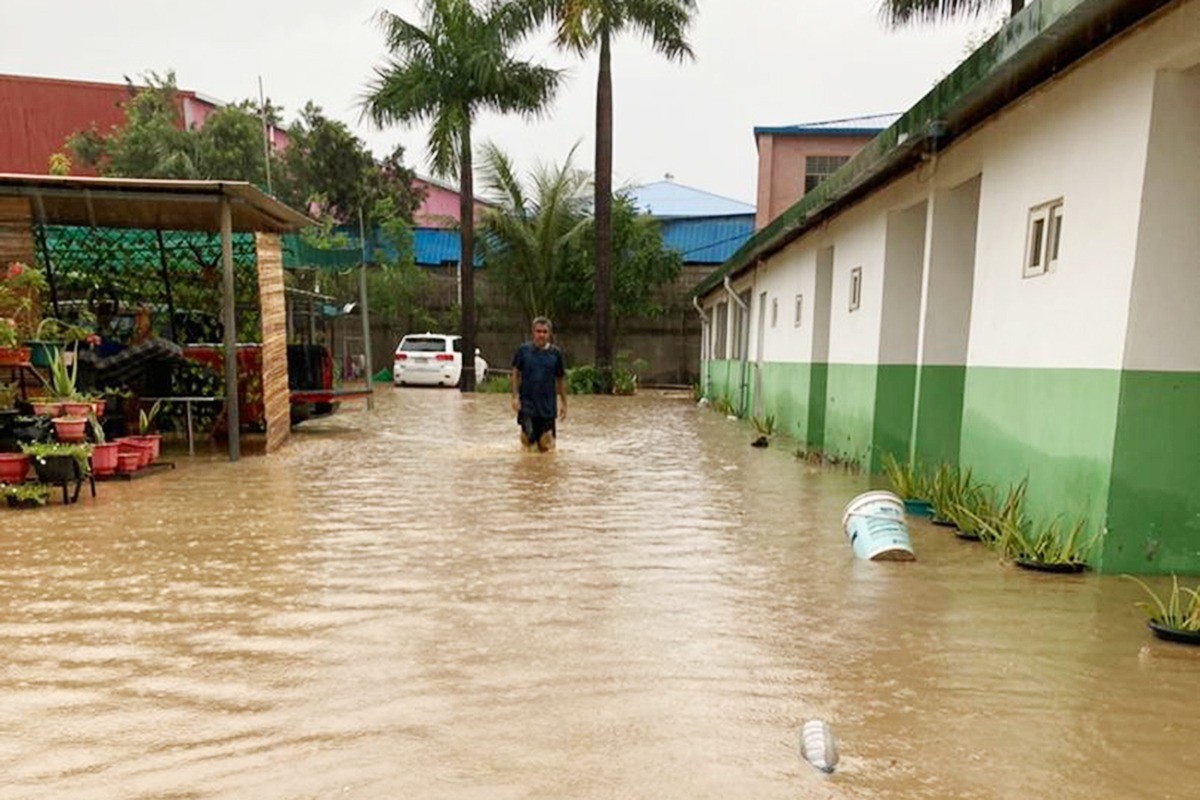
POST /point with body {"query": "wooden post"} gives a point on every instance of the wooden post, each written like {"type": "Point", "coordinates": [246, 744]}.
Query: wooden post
{"type": "Point", "coordinates": [230, 320]}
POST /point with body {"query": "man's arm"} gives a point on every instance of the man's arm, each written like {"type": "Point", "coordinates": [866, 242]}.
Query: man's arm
{"type": "Point", "coordinates": [560, 387]}
{"type": "Point", "coordinates": [515, 380]}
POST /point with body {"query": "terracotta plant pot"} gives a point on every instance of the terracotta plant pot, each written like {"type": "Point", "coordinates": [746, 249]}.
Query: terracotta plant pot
{"type": "Point", "coordinates": [13, 467]}
{"type": "Point", "coordinates": [12, 356]}
{"type": "Point", "coordinates": [98, 408]}
{"type": "Point", "coordinates": [153, 440]}
{"type": "Point", "coordinates": [104, 458]}
{"type": "Point", "coordinates": [46, 408]}
{"type": "Point", "coordinates": [129, 461]}
{"type": "Point", "coordinates": [143, 450]}
{"type": "Point", "coordinates": [73, 409]}
{"type": "Point", "coordinates": [69, 429]}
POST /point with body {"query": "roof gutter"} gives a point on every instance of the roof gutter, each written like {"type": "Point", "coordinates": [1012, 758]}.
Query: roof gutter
{"type": "Point", "coordinates": [1045, 38]}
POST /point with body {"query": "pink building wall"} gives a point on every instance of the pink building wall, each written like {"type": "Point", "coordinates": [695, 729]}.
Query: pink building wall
{"type": "Point", "coordinates": [440, 208]}
{"type": "Point", "coordinates": [781, 167]}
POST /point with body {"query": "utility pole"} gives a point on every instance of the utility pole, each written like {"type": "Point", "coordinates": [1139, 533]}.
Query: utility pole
{"type": "Point", "coordinates": [262, 109]}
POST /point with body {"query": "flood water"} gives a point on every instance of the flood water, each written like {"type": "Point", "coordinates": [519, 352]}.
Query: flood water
{"type": "Point", "coordinates": [403, 605]}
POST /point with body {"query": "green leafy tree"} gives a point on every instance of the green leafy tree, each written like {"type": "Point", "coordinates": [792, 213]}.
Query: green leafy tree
{"type": "Point", "coordinates": [642, 264]}
{"type": "Point", "coordinates": [529, 238]}
{"type": "Point", "coordinates": [584, 26]}
{"type": "Point", "coordinates": [459, 64]}
{"type": "Point", "coordinates": [904, 12]}
{"type": "Point", "coordinates": [230, 145]}
{"type": "Point", "coordinates": [150, 144]}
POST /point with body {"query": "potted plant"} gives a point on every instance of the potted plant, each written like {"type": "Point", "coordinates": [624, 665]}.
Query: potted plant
{"type": "Point", "coordinates": [52, 337]}
{"type": "Point", "coordinates": [11, 352]}
{"type": "Point", "coordinates": [1046, 548]}
{"type": "Point", "coordinates": [105, 455]}
{"type": "Point", "coordinates": [910, 483]}
{"type": "Point", "coordinates": [1175, 620]}
{"type": "Point", "coordinates": [27, 495]}
{"type": "Point", "coordinates": [20, 290]}
{"type": "Point", "coordinates": [13, 467]}
{"type": "Point", "coordinates": [58, 462]}
{"type": "Point", "coordinates": [146, 426]}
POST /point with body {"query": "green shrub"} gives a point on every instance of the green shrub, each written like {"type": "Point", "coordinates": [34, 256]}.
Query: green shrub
{"type": "Point", "coordinates": [1174, 612]}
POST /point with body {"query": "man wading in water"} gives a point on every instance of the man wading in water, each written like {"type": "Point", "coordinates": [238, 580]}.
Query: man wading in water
{"type": "Point", "coordinates": [537, 378]}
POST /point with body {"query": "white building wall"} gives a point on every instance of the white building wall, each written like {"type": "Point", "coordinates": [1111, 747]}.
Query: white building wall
{"type": "Point", "coordinates": [790, 272]}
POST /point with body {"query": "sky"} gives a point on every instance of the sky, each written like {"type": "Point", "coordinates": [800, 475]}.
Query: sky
{"type": "Point", "coordinates": [757, 62]}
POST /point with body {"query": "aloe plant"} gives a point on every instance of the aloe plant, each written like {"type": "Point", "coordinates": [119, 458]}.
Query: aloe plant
{"type": "Point", "coordinates": [1046, 543]}
{"type": "Point", "coordinates": [1174, 612]}
{"type": "Point", "coordinates": [61, 383]}
{"type": "Point", "coordinates": [765, 426]}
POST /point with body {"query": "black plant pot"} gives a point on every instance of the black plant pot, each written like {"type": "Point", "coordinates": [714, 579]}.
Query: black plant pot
{"type": "Point", "coordinates": [57, 469]}
{"type": "Point", "coordinates": [970, 537]}
{"type": "Point", "coordinates": [1173, 634]}
{"type": "Point", "coordinates": [944, 523]}
{"type": "Point", "coordinates": [1038, 566]}
{"type": "Point", "coordinates": [31, 429]}
{"type": "Point", "coordinates": [28, 502]}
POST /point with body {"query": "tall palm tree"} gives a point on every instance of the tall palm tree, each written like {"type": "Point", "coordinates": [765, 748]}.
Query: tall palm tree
{"type": "Point", "coordinates": [584, 26]}
{"type": "Point", "coordinates": [529, 237]}
{"type": "Point", "coordinates": [460, 63]}
{"type": "Point", "coordinates": [903, 12]}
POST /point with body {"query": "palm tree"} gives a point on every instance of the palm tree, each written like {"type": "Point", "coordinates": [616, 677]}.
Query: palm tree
{"type": "Point", "coordinates": [528, 239]}
{"type": "Point", "coordinates": [902, 12]}
{"type": "Point", "coordinates": [459, 64]}
{"type": "Point", "coordinates": [584, 26]}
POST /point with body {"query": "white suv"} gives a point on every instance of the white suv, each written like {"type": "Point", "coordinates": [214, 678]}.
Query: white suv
{"type": "Point", "coordinates": [432, 359]}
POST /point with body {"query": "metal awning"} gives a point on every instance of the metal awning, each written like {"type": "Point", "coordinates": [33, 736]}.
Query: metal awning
{"type": "Point", "coordinates": [150, 204]}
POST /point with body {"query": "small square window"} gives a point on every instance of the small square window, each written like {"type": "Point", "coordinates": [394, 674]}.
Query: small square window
{"type": "Point", "coordinates": [799, 310]}
{"type": "Point", "coordinates": [855, 288]}
{"type": "Point", "coordinates": [774, 311]}
{"type": "Point", "coordinates": [1042, 239]}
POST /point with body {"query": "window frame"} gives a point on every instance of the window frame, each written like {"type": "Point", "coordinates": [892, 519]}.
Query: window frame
{"type": "Point", "coordinates": [774, 311]}
{"type": "Point", "coordinates": [799, 310]}
{"type": "Point", "coordinates": [856, 285]}
{"type": "Point", "coordinates": [1043, 239]}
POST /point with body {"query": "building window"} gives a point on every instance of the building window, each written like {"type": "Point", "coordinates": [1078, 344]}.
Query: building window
{"type": "Point", "coordinates": [855, 288]}
{"type": "Point", "coordinates": [720, 329]}
{"type": "Point", "coordinates": [818, 168]}
{"type": "Point", "coordinates": [1042, 238]}
{"type": "Point", "coordinates": [774, 311]}
{"type": "Point", "coordinates": [799, 310]}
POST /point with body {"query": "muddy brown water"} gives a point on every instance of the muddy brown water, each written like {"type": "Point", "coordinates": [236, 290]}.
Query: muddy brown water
{"type": "Point", "coordinates": [404, 606]}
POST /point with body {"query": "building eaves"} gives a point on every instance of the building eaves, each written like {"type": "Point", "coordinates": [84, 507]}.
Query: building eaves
{"type": "Point", "coordinates": [1042, 40]}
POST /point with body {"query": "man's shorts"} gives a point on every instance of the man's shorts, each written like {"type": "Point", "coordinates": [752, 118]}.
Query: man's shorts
{"type": "Point", "coordinates": [533, 427]}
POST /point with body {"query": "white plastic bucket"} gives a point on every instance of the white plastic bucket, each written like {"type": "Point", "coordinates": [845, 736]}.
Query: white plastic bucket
{"type": "Point", "coordinates": [874, 524]}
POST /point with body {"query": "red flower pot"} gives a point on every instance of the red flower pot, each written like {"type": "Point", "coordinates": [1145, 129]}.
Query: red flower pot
{"type": "Point", "coordinates": [129, 461]}
{"type": "Point", "coordinates": [144, 451]}
{"type": "Point", "coordinates": [73, 409]}
{"type": "Point", "coordinates": [46, 408]}
{"type": "Point", "coordinates": [153, 441]}
{"type": "Point", "coordinates": [105, 458]}
{"type": "Point", "coordinates": [69, 429]}
{"type": "Point", "coordinates": [98, 407]}
{"type": "Point", "coordinates": [13, 467]}
{"type": "Point", "coordinates": [12, 356]}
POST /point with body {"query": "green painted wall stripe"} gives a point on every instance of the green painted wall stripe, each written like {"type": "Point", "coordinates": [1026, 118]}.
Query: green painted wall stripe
{"type": "Point", "coordinates": [1154, 505]}
{"type": "Point", "coordinates": [892, 431]}
{"type": "Point", "coordinates": [939, 414]}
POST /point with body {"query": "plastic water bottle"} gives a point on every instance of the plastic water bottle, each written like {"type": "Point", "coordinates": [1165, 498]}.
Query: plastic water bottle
{"type": "Point", "coordinates": [817, 746]}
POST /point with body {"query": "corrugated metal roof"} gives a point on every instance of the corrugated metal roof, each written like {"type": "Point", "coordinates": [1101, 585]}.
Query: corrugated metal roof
{"type": "Point", "coordinates": [707, 240]}
{"type": "Point", "coordinates": [851, 126]}
{"type": "Point", "coordinates": [666, 199]}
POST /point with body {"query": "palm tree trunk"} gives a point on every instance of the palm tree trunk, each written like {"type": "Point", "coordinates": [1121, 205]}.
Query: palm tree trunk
{"type": "Point", "coordinates": [466, 258]}
{"type": "Point", "coordinates": [602, 299]}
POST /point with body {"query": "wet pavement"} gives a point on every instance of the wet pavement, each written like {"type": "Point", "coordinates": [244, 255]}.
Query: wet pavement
{"type": "Point", "coordinates": [404, 605]}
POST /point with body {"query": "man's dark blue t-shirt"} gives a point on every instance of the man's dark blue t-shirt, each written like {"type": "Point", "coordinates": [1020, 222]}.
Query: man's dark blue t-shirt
{"type": "Point", "coordinates": [539, 369]}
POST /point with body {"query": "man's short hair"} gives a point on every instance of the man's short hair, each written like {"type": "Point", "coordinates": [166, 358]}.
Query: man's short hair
{"type": "Point", "coordinates": [542, 321]}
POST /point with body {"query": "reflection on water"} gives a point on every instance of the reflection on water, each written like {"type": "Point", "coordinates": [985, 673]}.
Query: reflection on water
{"type": "Point", "coordinates": [405, 605]}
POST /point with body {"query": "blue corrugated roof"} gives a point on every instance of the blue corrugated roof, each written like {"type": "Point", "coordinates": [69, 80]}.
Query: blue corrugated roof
{"type": "Point", "coordinates": [666, 199]}
{"type": "Point", "coordinates": [851, 126]}
{"type": "Point", "coordinates": [709, 240]}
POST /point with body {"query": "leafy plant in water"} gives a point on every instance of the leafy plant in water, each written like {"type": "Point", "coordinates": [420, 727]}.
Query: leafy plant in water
{"type": "Point", "coordinates": [146, 419]}
{"type": "Point", "coordinates": [908, 480]}
{"type": "Point", "coordinates": [40, 451]}
{"type": "Point", "coordinates": [1174, 612]}
{"type": "Point", "coordinates": [981, 515]}
{"type": "Point", "coordinates": [495, 384]}
{"type": "Point", "coordinates": [951, 489]}
{"type": "Point", "coordinates": [1045, 544]}
{"type": "Point", "coordinates": [37, 494]}
{"type": "Point", "coordinates": [765, 426]}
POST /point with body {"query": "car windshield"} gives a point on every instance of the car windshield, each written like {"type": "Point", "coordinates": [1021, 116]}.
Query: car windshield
{"type": "Point", "coordinates": [423, 345]}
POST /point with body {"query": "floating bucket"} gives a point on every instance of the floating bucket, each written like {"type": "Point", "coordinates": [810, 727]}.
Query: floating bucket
{"type": "Point", "coordinates": [817, 746]}
{"type": "Point", "coordinates": [874, 523]}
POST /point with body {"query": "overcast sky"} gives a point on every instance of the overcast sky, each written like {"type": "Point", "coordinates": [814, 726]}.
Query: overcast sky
{"type": "Point", "coordinates": [758, 62]}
